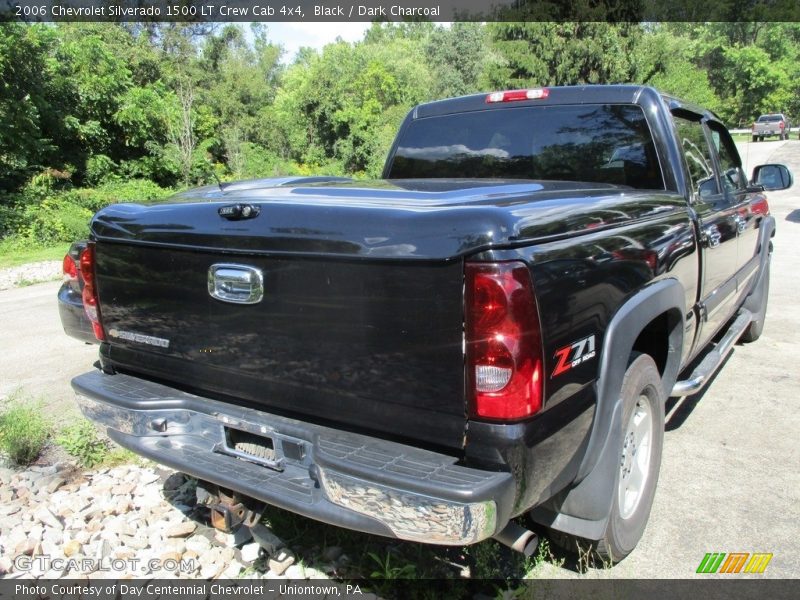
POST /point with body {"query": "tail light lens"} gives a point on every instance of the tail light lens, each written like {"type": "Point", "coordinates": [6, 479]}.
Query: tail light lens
{"type": "Point", "coordinates": [504, 348]}
{"type": "Point", "coordinates": [781, 124]}
{"type": "Point", "coordinates": [69, 269]}
{"type": "Point", "coordinates": [90, 302]}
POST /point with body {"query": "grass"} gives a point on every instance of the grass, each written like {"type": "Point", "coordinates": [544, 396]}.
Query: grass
{"type": "Point", "coordinates": [25, 433]}
{"type": "Point", "coordinates": [23, 430]}
{"type": "Point", "coordinates": [81, 441]}
{"type": "Point", "coordinates": [12, 256]}
{"type": "Point", "coordinates": [393, 568]}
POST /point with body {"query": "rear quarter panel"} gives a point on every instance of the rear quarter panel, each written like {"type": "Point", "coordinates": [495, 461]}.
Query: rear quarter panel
{"type": "Point", "coordinates": [580, 283]}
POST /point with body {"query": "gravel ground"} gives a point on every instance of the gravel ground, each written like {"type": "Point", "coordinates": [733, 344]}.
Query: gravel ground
{"type": "Point", "coordinates": [128, 521]}
{"type": "Point", "coordinates": [46, 270]}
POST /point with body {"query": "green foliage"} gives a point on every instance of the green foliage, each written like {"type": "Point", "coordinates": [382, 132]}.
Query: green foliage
{"type": "Point", "coordinates": [42, 214]}
{"type": "Point", "coordinates": [89, 106]}
{"type": "Point", "coordinates": [346, 103]}
{"type": "Point", "coordinates": [23, 431]}
{"type": "Point", "coordinates": [14, 252]}
{"type": "Point", "coordinates": [458, 57]}
{"type": "Point", "coordinates": [386, 570]}
{"type": "Point", "coordinates": [569, 53]}
{"type": "Point", "coordinates": [54, 219]}
{"type": "Point", "coordinates": [80, 440]}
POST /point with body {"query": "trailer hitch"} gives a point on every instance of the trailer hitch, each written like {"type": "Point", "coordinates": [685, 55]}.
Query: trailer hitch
{"type": "Point", "coordinates": [228, 510]}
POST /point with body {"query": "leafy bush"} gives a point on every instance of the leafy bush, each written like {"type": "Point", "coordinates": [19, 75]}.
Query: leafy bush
{"type": "Point", "coordinates": [23, 432]}
{"type": "Point", "coordinates": [99, 168]}
{"type": "Point", "coordinates": [41, 215]}
{"type": "Point", "coordinates": [55, 219]}
{"type": "Point", "coordinates": [134, 190]}
{"type": "Point", "coordinates": [81, 441]}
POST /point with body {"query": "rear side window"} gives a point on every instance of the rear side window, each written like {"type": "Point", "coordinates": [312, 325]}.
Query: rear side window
{"type": "Point", "coordinates": [590, 143]}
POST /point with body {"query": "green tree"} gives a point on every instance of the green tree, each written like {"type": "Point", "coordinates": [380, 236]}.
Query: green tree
{"type": "Point", "coordinates": [26, 142]}
{"type": "Point", "coordinates": [457, 57]}
{"type": "Point", "coordinates": [570, 53]}
{"type": "Point", "coordinates": [345, 104]}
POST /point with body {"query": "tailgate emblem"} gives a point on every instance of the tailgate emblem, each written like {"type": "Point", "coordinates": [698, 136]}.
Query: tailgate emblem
{"type": "Point", "coordinates": [238, 284]}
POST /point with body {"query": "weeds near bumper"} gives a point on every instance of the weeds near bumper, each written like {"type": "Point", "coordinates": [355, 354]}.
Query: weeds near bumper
{"type": "Point", "coordinates": [23, 431]}
{"type": "Point", "coordinates": [81, 441]}
{"type": "Point", "coordinates": [389, 571]}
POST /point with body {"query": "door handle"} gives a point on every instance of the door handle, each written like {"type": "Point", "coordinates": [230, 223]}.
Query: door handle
{"type": "Point", "coordinates": [713, 236]}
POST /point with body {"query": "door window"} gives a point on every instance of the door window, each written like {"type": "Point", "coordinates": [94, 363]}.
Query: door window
{"type": "Point", "coordinates": [731, 173]}
{"type": "Point", "coordinates": [698, 156]}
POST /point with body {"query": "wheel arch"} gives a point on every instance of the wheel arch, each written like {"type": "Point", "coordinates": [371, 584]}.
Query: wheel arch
{"type": "Point", "coordinates": [656, 310]}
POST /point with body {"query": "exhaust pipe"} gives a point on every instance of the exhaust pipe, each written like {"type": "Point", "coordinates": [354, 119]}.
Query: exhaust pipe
{"type": "Point", "coordinates": [518, 538]}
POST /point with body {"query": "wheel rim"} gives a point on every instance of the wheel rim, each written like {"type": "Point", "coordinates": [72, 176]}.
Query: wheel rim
{"type": "Point", "coordinates": [635, 459]}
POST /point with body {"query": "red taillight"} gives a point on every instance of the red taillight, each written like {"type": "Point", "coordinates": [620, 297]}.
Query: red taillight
{"type": "Point", "coordinates": [90, 303]}
{"type": "Point", "coordinates": [760, 206]}
{"type": "Point", "coordinates": [504, 349]}
{"type": "Point", "coordinates": [515, 95]}
{"type": "Point", "coordinates": [754, 126]}
{"type": "Point", "coordinates": [782, 125]}
{"type": "Point", "coordinates": [69, 269]}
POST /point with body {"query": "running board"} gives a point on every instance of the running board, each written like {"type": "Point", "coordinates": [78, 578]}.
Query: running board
{"type": "Point", "coordinates": [712, 361]}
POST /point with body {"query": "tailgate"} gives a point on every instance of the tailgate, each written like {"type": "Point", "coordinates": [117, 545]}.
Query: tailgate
{"type": "Point", "coordinates": [370, 345]}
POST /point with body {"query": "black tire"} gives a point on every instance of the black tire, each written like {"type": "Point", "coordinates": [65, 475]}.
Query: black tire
{"type": "Point", "coordinates": [642, 384]}
{"type": "Point", "coordinates": [755, 138]}
{"type": "Point", "coordinates": [757, 304]}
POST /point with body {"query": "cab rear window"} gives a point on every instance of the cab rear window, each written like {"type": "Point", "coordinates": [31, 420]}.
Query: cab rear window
{"type": "Point", "coordinates": [589, 143]}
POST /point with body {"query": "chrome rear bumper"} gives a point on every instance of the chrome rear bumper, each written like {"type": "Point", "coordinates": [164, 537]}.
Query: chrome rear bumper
{"type": "Point", "coordinates": [345, 479]}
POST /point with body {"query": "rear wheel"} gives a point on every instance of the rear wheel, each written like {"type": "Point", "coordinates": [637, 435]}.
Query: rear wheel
{"type": "Point", "coordinates": [755, 138]}
{"type": "Point", "coordinates": [643, 400]}
{"type": "Point", "coordinates": [640, 459]}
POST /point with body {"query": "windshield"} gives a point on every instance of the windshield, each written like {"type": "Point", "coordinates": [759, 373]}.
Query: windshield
{"type": "Point", "coordinates": [769, 118]}
{"type": "Point", "coordinates": [590, 143]}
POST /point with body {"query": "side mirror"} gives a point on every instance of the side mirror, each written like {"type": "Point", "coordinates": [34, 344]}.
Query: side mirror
{"type": "Point", "coordinates": [773, 177]}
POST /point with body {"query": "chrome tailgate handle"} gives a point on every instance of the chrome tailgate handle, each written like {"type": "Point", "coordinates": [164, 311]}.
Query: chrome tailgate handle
{"type": "Point", "coordinates": [238, 284]}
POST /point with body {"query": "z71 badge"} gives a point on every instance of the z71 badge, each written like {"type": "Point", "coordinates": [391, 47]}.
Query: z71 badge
{"type": "Point", "coordinates": [571, 356]}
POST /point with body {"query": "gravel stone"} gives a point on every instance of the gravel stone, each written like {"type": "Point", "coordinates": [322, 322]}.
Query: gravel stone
{"type": "Point", "coordinates": [45, 516]}
{"type": "Point", "coordinates": [71, 548]}
{"type": "Point", "coordinates": [237, 538]}
{"type": "Point", "coordinates": [119, 513]}
{"type": "Point", "coordinates": [250, 552]}
{"type": "Point", "coordinates": [282, 562]}
{"type": "Point", "coordinates": [198, 544]}
{"type": "Point", "coordinates": [181, 529]}
{"type": "Point", "coordinates": [5, 475]}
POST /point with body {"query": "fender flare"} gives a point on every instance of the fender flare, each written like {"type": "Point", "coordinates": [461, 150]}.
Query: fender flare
{"type": "Point", "coordinates": [584, 508]}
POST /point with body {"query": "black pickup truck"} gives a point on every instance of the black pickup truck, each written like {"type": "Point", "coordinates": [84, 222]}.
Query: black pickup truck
{"type": "Point", "coordinates": [489, 331]}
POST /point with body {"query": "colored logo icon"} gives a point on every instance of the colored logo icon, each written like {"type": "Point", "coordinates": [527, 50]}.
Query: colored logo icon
{"type": "Point", "coordinates": [735, 562]}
